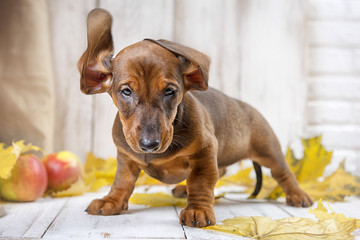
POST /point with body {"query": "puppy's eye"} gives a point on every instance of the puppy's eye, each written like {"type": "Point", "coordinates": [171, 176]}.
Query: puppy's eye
{"type": "Point", "coordinates": [169, 92]}
{"type": "Point", "coordinates": [126, 92]}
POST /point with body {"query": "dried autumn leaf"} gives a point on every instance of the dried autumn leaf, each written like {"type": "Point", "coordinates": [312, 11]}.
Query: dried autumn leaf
{"type": "Point", "coordinates": [334, 187]}
{"type": "Point", "coordinates": [9, 155]}
{"type": "Point", "coordinates": [315, 159]}
{"type": "Point", "coordinates": [77, 188]}
{"type": "Point", "coordinates": [270, 188]}
{"type": "Point", "coordinates": [93, 162]}
{"type": "Point", "coordinates": [242, 177]}
{"type": "Point", "coordinates": [328, 226]}
{"type": "Point", "coordinates": [145, 179]}
{"type": "Point", "coordinates": [99, 172]}
{"type": "Point", "coordinates": [7, 161]}
{"type": "Point", "coordinates": [24, 148]}
{"type": "Point", "coordinates": [320, 212]}
{"type": "Point", "coordinates": [157, 199]}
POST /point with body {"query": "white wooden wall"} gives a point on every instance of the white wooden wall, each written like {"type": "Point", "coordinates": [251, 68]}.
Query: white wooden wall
{"type": "Point", "coordinates": [257, 49]}
{"type": "Point", "coordinates": [334, 78]}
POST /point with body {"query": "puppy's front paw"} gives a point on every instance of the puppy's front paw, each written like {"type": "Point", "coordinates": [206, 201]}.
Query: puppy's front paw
{"type": "Point", "coordinates": [197, 217]}
{"type": "Point", "coordinates": [106, 206]}
{"type": "Point", "coordinates": [298, 198]}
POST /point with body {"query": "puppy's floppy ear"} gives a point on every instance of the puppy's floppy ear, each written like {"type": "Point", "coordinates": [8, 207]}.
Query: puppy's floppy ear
{"type": "Point", "coordinates": [95, 64]}
{"type": "Point", "coordinates": [195, 64]}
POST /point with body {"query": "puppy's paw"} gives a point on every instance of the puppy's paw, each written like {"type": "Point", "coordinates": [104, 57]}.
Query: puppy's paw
{"type": "Point", "coordinates": [298, 198]}
{"type": "Point", "coordinates": [106, 206]}
{"type": "Point", "coordinates": [197, 217]}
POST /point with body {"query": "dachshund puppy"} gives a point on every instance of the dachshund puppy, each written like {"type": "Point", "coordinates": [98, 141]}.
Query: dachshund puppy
{"type": "Point", "coordinates": [172, 125]}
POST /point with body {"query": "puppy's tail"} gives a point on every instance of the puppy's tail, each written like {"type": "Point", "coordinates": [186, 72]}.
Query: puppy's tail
{"type": "Point", "coordinates": [259, 178]}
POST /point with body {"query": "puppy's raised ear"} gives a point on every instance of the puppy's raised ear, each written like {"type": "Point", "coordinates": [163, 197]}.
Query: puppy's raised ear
{"type": "Point", "coordinates": [95, 64]}
{"type": "Point", "coordinates": [195, 64]}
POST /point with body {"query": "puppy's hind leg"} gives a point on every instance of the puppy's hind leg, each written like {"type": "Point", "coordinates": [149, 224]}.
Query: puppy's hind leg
{"type": "Point", "coordinates": [266, 150]}
{"type": "Point", "coordinates": [280, 171]}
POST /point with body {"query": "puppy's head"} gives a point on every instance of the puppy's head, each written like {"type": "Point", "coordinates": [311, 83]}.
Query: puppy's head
{"type": "Point", "coordinates": [147, 81]}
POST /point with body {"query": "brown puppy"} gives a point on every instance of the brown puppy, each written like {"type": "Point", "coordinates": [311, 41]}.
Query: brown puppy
{"type": "Point", "coordinates": [170, 131]}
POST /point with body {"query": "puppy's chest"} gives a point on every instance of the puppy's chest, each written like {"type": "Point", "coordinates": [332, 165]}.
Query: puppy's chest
{"type": "Point", "coordinates": [171, 172]}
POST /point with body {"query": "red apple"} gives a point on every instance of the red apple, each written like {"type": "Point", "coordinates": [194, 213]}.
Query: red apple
{"type": "Point", "coordinates": [63, 169]}
{"type": "Point", "coordinates": [27, 182]}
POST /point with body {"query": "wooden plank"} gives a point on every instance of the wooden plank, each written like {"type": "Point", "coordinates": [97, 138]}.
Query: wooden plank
{"type": "Point", "coordinates": [296, 212]}
{"type": "Point", "coordinates": [73, 115]}
{"type": "Point", "coordinates": [138, 222]}
{"type": "Point", "coordinates": [133, 20]}
{"type": "Point", "coordinates": [29, 220]}
{"type": "Point", "coordinates": [265, 207]}
{"type": "Point", "coordinates": [351, 207]}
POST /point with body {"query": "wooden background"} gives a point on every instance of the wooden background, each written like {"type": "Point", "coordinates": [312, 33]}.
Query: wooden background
{"type": "Point", "coordinates": [258, 51]}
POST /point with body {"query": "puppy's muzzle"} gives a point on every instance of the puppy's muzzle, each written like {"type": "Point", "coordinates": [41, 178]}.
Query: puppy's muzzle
{"type": "Point", "coordinates": [149, 145]}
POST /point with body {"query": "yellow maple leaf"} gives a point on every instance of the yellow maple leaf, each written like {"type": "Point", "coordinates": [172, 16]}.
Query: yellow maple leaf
{"type": "Point", "coordinates": [157, 199]}
{"type": "Point", "coordinates": [145, 179]}
{"type": "Point", "coordinates": [24, 148]}
{"type": "Point", "coordinates": [315, 159]}
{"type": "Point", "coordinates": [334, 187]}
{"type": "Point", "coordinates": [9, 156]}
{"type": "Point", "coordinates": [7, 161]}
{"type": "Point", "coordinates": [328, 226]}
{"type": "Point", "coordinates": [294, 163]}
{"type": "Point", "coordinates": [93, 162]}
{"type": "Point", "coordinates": [77, 188]}
{"type": "Point", "coordinates": [99, 172]}
{"type": "Point", "coordinates": [242, 177]}
{"type": "Point", "coordinates": [269, 190]}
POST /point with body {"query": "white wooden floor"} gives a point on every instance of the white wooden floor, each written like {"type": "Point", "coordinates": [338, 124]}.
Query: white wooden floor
{"type": "Point", "coordinates": [64, 218]}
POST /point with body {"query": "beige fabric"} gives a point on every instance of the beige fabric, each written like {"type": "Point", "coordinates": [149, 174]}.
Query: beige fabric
{"type": "Point", "coordinates": [26, 77]}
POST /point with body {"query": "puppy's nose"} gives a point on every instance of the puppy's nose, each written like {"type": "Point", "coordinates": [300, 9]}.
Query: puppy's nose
{"type": "Point", "coordinates": [149, 145]}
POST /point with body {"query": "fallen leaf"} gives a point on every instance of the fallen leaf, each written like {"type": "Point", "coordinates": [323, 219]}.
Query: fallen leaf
{"type": "Point", "coordinates": [7, 161]}
{"type": "Point", "coordinates": [24, 148]}
{"type": "Point", "coordinates": [269, 190]}
{"type": "Point", "coordinates": [145, 179]}
{"type": "Point", "coordinates": [9, 156]}
{"type": "Point", "coordinates": [99, 172]}
{"type": "Point", "coordinates": [157, 199]}
{"type": "Point", "coordinates": [242, 177]}
{"type": "Point", "coordinates": [77, 188]}
{"type": "Point", "coordinates": [335, 187]}
{"type": "Point", "coordinates": [315, 159]}
{"type": "Point", "coordinates": [328, 226]}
